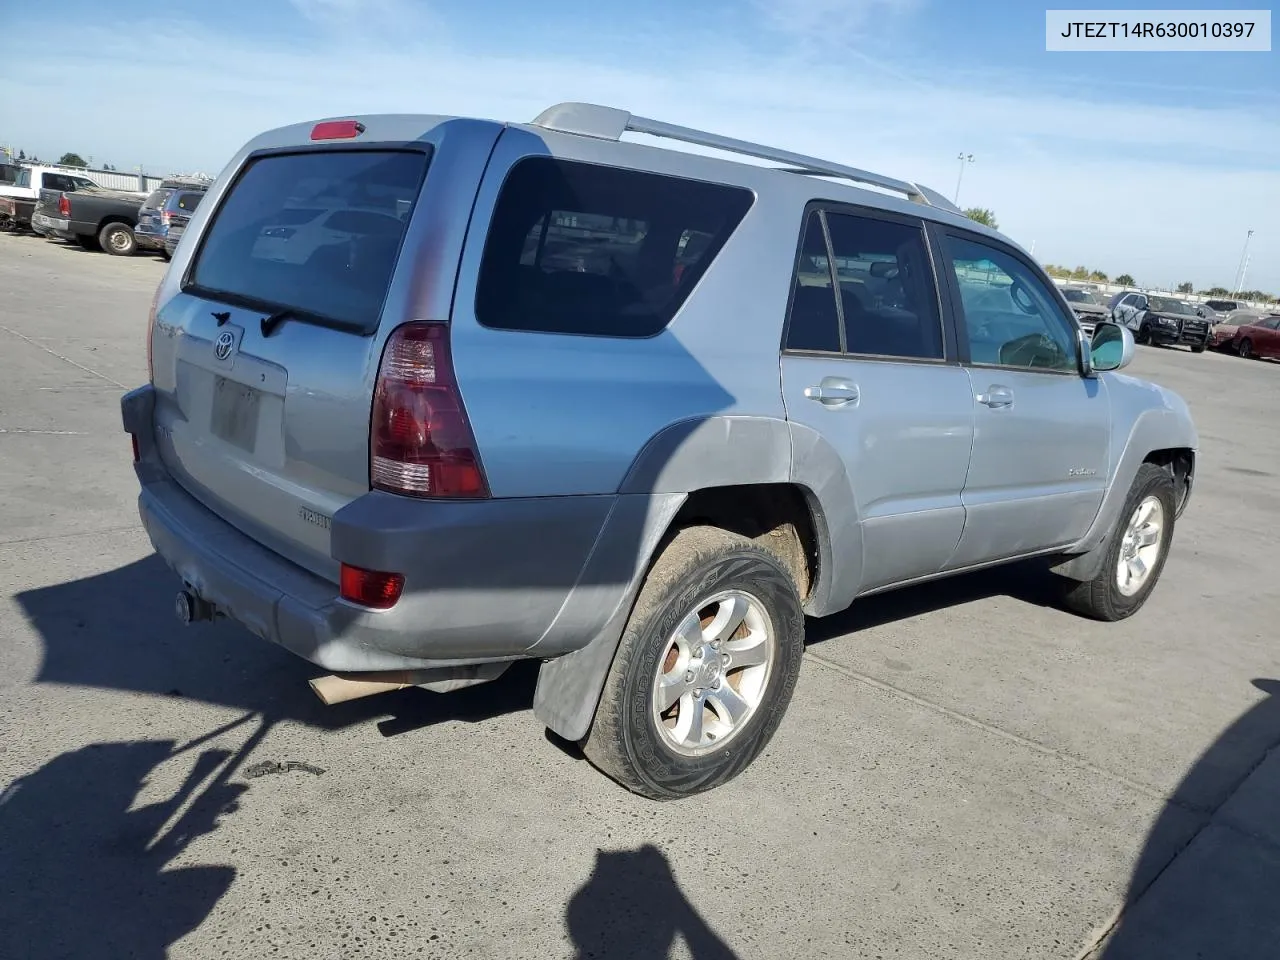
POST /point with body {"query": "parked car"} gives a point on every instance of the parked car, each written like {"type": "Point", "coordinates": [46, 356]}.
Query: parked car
{"type": "Point", "coordinates": [95, 219]}
{"type": "Point", "coordinates": [384, 432]}
{"type": "Point", "coordinates": [1217, 310]}
{"type": "Point", "coordinates": [1161, 320]}
{"type": "Point", "coordinates": [1222, 334]}
{"type": "Point", "coordinates": [173, 201]}
{"type": "Point", "coordinates": [18, 200]}
{"type": "Point", "coordinates": [1089, 310]}
{"type": "Point", "coordinates": [1258, 339]}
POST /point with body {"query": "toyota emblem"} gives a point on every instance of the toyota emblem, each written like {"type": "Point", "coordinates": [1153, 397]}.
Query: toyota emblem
{"type": "Point", "coordinates": [223, 346]}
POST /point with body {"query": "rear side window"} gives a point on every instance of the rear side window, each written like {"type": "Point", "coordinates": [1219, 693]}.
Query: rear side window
{"type": "Point", "coordinates": [586, 249]}
{"type": "Point", "coordinates": [316, 233]}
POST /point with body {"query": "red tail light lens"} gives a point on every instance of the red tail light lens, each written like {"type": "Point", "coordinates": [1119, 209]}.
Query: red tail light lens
{"type": "Point", "coordinates": [421, 443]}
{"type": "Point", "coordinates": [370, 588]}
{"type": "Point", "coordinates": [337, 130]}
{"type": "Point", "coordinates": [64, 206]}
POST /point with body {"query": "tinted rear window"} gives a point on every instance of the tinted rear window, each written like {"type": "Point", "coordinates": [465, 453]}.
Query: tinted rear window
{"type": "Point", "coordinates": [157, 199]}
{"type": "Point", "coordinates": [318, 233]}
{"type": "Point", "coordinates": [188, 201]}
{"type": "Point", "coordinates": [587, 249]}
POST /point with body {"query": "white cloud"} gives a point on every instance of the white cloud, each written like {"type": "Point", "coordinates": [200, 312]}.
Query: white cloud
{"type": "Point", "coordinates": [1119, 186]}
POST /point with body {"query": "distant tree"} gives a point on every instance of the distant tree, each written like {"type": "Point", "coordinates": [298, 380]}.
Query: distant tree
{"type": "Point", "coordinates": [982, 215]}
{"type": "Point", "coordinates": [1097, 276]}
{"type": "Point", "coordinates": [1053, 270]}
{"type": "Point", "coordinates": [1125, 280]}
{"type": "Point", "coordinates": [1186, 287]}
{"type": "Point", "coordinates": [1080, 273]}
{"type": "Point", "coordinates": [72, 160]}
{"type": "Point", "coordinates": [1218, 292]}
{"type": "Point", "coordinates": [22, 155]}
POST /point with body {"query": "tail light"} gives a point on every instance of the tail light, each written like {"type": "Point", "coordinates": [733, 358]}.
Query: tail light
{"type": "Point", "coordinates": [151, 331]}
{"type": "Point", "coordinates": [421, 443]}
{"type": "Point", "coordinates": [370, 588]}
{"type": "Point", "coordinates": [64, 205]}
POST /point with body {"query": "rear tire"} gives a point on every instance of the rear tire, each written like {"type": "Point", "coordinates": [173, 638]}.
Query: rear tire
{"type": "Point", "coordinates": [1148, 511]}
{"type": "Point", "coordinates": [118, 240]}
{"type": "Point", "coordinates": [718, 632]}
{"type": "Point", "coordinates": [1245, 348]}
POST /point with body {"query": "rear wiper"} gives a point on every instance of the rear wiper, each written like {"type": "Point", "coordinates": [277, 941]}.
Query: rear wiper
{"type": "Point", "coordinates": [269, 324]}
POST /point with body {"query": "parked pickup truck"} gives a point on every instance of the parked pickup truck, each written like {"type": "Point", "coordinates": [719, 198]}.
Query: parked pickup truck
{"type": "Point", "coordinates": [94, 219]}
{"type": "Point", "coordinates": [19, 199]}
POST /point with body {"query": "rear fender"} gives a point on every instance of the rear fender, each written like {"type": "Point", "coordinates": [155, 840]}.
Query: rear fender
{"type": "Point", "coordinates": [684, 457]}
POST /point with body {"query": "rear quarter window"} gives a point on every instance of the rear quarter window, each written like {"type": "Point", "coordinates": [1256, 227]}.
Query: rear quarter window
{"type": "Point", "coordinates": [588, 249]}
{"type": "Point", "coordinates": [316, 232]}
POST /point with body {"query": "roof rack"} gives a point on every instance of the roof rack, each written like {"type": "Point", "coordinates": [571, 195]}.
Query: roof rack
{"type": "Point", "coordinates": [610, 123]}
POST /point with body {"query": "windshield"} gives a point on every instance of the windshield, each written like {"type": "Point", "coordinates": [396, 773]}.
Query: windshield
{"type": "Point", "coordinates": [1080, 296]}
{"type": "Point", "coordinates": [316, 233]}
{"type": "Point", "coordinates": [1170, 305]}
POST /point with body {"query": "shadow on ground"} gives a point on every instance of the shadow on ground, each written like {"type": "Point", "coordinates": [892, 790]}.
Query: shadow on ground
{"type": "Point", "coordinates": [1207, 882]}
{"type": "Point", "coordinates": [117, 631]}
{"type": "Point", "coordinates": [87, 875]}
{"type": "Point", "coordinates": [631, 907]}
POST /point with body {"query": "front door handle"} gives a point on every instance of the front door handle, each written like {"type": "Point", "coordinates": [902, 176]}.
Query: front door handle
{"type": "Point", "coordinates": [833, 392]}
{"type": "Point", "coordinates": [996, 396]}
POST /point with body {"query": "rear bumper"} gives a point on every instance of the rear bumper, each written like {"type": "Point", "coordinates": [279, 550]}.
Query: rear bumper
{"type": "Point", "coordinates": [147, 239]}
{"type": "Point", "coordinates": [485, 581]}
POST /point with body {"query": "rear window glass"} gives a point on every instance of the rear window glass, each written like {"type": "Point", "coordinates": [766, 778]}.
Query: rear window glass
{"type": "Point", "coordinates": [587, 249]}
{"type": "Point", "coordinates": [188, 201]}
{"type": "Point", "coordinates": [157, 199]}
{"type": "Point", "coordinates": [318, 233]}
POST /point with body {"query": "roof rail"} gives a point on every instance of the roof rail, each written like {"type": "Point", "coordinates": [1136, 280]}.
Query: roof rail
{"type": "Point", "coordinates": [610, 123]}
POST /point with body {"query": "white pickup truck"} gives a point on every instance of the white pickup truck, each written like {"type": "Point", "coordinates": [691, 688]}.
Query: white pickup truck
{"type": "Point", "coordinates": [18, 199]}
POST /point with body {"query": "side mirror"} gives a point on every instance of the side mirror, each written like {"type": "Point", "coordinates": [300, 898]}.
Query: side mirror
{"type": "Point", "coordinates": [1112, 347]}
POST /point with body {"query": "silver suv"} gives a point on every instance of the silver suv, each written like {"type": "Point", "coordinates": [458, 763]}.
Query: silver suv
{"type": "Point", "coordinates": [431, 395]}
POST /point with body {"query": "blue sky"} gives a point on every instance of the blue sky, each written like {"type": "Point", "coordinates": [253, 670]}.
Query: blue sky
{"type": "Point", "coordinates": [1152, 164]}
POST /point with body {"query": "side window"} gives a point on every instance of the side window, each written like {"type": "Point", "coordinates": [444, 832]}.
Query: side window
{"type": "Point", "coordinates": [56, 181]}
{"type": "Point", "coordinates": [814, 323]}
{"type": "Point", "coordinates": [1011, 317]}
{"type": "Point", "coordinates": [583, 248]}
{"type": "Point", "coordinates": [886, 288]}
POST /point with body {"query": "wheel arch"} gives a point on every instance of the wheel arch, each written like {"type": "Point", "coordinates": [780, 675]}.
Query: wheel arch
{"type": "Point", "coordinates": [782, 486]}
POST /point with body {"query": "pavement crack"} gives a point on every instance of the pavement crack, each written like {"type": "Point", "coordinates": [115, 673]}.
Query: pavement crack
{"type": "Point", "coordinates": [55, 353]}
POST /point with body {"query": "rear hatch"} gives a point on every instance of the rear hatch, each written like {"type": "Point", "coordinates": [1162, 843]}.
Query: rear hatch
{"type": "Point", "coordinates": [150, 220]}
{"type": "Point", "coordinates": [181, 208]}
{"type": "Point", "coordinates": [263, 362]}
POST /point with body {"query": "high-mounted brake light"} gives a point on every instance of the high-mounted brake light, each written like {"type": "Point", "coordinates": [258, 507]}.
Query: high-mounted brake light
{"type": "Point", "coordinates": [420, 442]}
{"type": "Point", "coordinates": [337, 130]}
{"type": "Point", "coordinates": [370, 588]}
{"type": "Point", "coordinates": [64, 205]}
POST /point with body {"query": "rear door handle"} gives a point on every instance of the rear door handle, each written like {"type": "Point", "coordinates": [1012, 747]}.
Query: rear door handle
{"type": "Point", "coordinates": [833, 392]}
{"type": "Point", "coordinates": [996, 396]}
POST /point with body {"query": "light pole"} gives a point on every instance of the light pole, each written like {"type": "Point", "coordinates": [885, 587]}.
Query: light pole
{"type": "Point", "coordinates": [963, 158]}
{"type": "Point", "coordinates": [1244, 265]}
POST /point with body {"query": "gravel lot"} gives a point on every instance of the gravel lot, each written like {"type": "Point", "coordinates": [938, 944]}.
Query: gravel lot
{"type": "Point", "coordinates": [966, 771]}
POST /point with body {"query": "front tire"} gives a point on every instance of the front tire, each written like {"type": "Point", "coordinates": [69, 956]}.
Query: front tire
{"type": "Point", "coordinates": [1199, 349]}
{"type": "Point", "coordinates": [118, 240]}
{"type": "Point", "coordinates": [1136, 553]}
{"type": "Point", "coordinates": [1144, 335]}
{"type": "Point", "coordinates": [1246, 349]}
{"type": "Point", "coordinates": [705, 669]}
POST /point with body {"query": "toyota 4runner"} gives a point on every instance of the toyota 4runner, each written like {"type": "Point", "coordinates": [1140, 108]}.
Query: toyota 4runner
{"type": "Point", "coordinates": [431, 395]}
